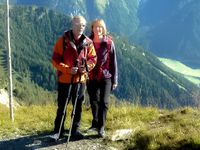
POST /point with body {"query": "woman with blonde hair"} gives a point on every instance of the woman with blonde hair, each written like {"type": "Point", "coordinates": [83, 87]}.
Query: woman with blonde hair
{"type": "Point", "coordinates": [104, 77]}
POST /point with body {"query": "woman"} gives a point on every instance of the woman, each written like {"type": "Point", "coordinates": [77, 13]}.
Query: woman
{"type": "Point", "coordinates": [103, 78]}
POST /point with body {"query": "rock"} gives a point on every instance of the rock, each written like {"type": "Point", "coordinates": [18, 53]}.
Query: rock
{"type": "Point", "coordinates": [4, 98]}
{"type": "Point", "coordinates": [121, 134]}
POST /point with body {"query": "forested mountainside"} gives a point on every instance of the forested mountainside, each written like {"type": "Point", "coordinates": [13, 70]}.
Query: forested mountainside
{"type": "Point", "coordinates": [120, 16]}
{"type": "Point", "coordinates": [174, 23]}
{"type": "Point", "coordinates": [143, 79]}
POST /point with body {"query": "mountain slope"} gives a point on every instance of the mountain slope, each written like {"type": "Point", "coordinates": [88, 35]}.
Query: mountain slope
{"type": "Point", "coordinates": [149, 81]}
{"type": "Point", "coordinates": [175, 24]}
{"type": "Point", "coordinates": [91, 9]}
{"type": "Point", "coordinates": [23, 47]}
{"type": "Point", "coordinates": [192, 75]}
{"type": "Point", "coordinates": [143, 79]}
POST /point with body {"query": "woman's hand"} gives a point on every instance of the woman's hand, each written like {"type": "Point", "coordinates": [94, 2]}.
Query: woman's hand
{"type": "Point", "coordinates": [114, 86]}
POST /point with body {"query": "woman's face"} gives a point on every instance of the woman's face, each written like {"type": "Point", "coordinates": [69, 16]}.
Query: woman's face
{"type": "Point", "coordinates": [97, 29]}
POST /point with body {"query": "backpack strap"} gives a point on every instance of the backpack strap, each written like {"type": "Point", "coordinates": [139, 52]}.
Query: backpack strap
{"type": "Point", "coordinates": [66, 38]}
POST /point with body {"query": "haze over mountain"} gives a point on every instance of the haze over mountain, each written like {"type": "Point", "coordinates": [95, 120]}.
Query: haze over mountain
{"type": "Point", "coordinates": [143, 79]}
{"type": "Point", "coordinates": [168, 28]}
{"type": "Point", "coordinates": [171, 28]}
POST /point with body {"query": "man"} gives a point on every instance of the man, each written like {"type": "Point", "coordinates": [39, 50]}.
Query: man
{"type": "Point", "coordinates": [73, 56]}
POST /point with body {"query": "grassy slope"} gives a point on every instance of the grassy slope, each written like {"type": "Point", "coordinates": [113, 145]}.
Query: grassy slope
{"type": "Point", "coordinates": [191, 74]}
{"type": "Point", "coordinates": [153, 128]}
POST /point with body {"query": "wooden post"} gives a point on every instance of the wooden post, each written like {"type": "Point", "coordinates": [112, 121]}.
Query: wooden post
{"type": "Point", "coordinates": [9, 66]}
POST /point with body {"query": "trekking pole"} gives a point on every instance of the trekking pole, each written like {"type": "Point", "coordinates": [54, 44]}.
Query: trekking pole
{"type": "Point", "coordinates": [74, 108]}
{"type": "Point", "coordinates": [66, 102]}
{"type": "Point", "coordinates": [73, 112]}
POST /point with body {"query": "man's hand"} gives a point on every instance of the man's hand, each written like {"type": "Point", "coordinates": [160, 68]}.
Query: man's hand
{"type": "Point", "coordinates": [63, 65]}
{"type": "Point", "coordinates": [74, 70]}
{"type": "Point", "coordinates": [82, 69]}
{"type": "Point", "coordinates": [63, 68]}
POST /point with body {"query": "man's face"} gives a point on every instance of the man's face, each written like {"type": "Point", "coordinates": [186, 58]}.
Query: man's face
{"type": "Point", "coordinates": [78, 27]}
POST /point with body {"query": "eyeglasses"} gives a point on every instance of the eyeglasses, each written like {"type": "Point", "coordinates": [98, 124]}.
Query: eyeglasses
{"type": "Point", "coordinates": [79, 25]}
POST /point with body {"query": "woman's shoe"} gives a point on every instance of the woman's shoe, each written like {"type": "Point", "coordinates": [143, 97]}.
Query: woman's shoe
{"type": "Point", "coordinates": [101, 133]}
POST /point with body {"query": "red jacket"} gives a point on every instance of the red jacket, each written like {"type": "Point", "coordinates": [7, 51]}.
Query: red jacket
{"type": "Point", "coordinates": [67, 51]}
{"type": "Point", "coordinates": [106, 66]}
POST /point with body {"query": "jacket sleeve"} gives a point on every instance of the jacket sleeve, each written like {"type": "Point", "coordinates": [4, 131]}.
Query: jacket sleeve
{"type": "Point", "coordinates": [91, 57]}
{"type": "Point", "coordinates": [57, 57]}
{"type": "Point", "coordinates": [114, 67]}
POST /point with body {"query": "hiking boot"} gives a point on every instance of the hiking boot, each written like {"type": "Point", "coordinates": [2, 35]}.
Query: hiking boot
{"type": "Point", "coordinates": [77, 135]}
{"type": "Point", "coordinates": [101, 133]}
{"type": "Point", "coordinates": [92, 129]}
{"type": "Point", "coordinates": [56, 136]}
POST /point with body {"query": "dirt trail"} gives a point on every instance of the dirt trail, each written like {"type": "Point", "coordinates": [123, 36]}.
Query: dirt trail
{"type": "Point", "coordinates": [43, 142]}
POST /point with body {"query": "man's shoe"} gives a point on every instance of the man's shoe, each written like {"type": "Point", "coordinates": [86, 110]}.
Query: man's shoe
{"type": "Point", "coordinates": [77, 135]}
{"type": "Point", "coordinates": [102, 133]}
{"type": "Point", "coordinates": [56, 136]}
{"type": "Point", "coordinates": [92, 129]}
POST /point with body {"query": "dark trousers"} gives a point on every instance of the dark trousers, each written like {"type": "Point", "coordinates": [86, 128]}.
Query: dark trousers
{"type": "Point", "coordinates": [63, 89]}
{"type": "Point", "coordinates": [99, 92]}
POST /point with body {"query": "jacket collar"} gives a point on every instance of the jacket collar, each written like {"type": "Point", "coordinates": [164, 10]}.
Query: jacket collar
{"type": "Point", "coordinates": [82, 41]}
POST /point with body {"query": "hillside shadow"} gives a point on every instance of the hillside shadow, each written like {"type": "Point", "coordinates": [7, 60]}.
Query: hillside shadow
{"type": "Point", "coordinates": [29, 142]}
{"type": "Point", "coordinates": [3, 59]}
{"type": "Point", "coordinates": [181, 145]}
{"type": "Point", "coordinates": [144, 142]}
{"type": "Point", "coordinates": [36, 142]}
